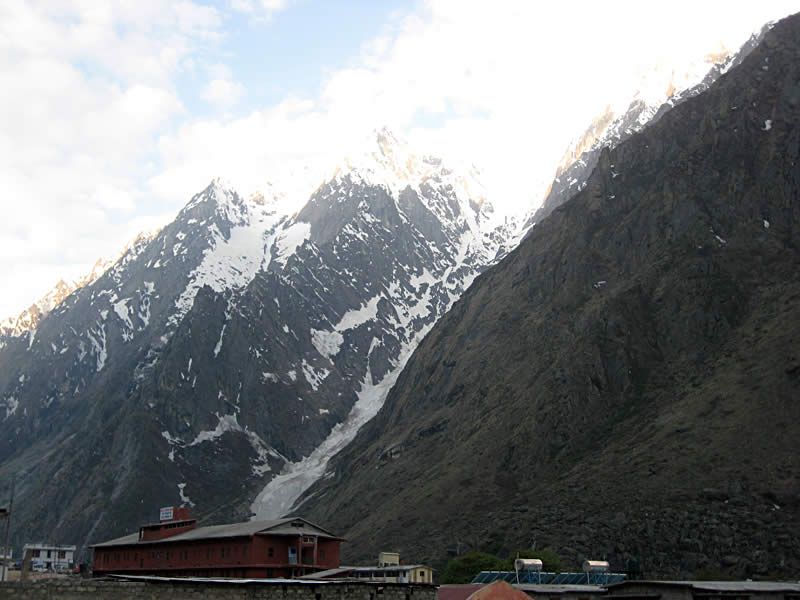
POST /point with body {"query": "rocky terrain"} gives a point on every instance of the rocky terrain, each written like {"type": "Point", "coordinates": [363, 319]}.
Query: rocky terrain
{"type": "Point", "coordinates": [609, 128]}
{"type": "Point", "coordinates": [237, 343]}
{"type": "Point", "coordinates": [29, 318]}
{"type": "Point", "coordinates": [625, 384]}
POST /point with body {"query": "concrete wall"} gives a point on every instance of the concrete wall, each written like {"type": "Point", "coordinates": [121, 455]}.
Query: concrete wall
{"type": "Point", "coordinates": [84, 589]}
{"type": "Point", "coordinates": [421, 575]}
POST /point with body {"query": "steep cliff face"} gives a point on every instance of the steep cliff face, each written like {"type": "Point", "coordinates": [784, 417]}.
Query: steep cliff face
{"type": "Point", "coordinates": [610, 128]}
{"type": "Point", "coordinates": [624, 384]}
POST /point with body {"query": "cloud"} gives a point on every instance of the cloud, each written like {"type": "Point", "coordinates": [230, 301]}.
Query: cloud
{"type": "Point", "coordinates": [506, 85]}
{"type": "Point", "coordinates": [88, 88]}
{"type": "Point", "coordinates": [258, 9]}
{"type": "Point", "coordinates": [96, 140]}
{"type": "Point", "coordinates": [222, 90]}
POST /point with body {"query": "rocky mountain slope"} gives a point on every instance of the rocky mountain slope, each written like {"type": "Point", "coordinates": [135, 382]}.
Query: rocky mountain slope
{"type": "Point", "coordinates": [29, 318]}
{"type": "Point", "coordinates": [625, 384]}
{"type": "Point", "coordinates": [236, 343]}
{"type": "Point", "coordinates": [610, 128]}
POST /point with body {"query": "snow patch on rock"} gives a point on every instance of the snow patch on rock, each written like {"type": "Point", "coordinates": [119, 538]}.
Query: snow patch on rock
{"type": "Point", "coordinates": [184, 498]}
{"type": "Point", "coordinates": [327, 343]}
{"type": "Point", "coordinates": [282, 492]}
{"type": "Point", "coordinates": [289, 240]}
{"type": "Point", "coordinates": [11, 405]}
{"type": "Point", "coordinates": [353, 318]}
{"type": "Point", "coordinates": [230, 263]}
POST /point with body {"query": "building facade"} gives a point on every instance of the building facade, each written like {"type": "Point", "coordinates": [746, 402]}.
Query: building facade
{"type": "Point", "coordinates": [49, 557]}
{"type": "Point", "coordinates": [177, 547]}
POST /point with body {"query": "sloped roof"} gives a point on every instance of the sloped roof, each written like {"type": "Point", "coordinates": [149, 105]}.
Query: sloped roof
{"type": "Point", "coordinates": [498, 590]}
{"type": "Point", "coordinates": [457, 591]}
{"type": "Point", "coordinates": [247, 528]}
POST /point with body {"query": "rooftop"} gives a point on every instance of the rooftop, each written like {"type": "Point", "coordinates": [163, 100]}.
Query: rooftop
{"type": "Point", "coordinates": [342, 572]}
{"type": "Point", "coordinates": [246, 529]}
{"type": "Point", "coordinates": [716, 586]}
{"type": "Point", "coordinates": [236, 581]}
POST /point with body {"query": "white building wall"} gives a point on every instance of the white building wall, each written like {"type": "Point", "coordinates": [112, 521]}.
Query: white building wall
{"type": "Point", "coordinates": [52, 558]}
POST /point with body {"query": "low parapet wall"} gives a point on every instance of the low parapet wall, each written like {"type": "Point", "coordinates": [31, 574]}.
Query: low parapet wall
{"type": "Point", "coordinates": [176, 589]}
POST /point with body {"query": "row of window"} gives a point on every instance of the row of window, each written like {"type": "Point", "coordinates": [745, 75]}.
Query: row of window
{"type": "Point", "coordinates": [224, 552]}
{"type": "Point", "coordinates": [38, 554]}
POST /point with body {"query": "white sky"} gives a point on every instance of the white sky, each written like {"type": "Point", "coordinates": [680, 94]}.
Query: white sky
{"type": "Point", "coordinates": [102, 137]}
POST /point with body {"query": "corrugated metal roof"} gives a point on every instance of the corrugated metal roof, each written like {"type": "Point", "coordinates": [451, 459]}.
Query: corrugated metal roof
{"type": "Point", "coordinates": [718, 586]}
{"type": "Point", "coordinates": [389, 568]}
{"type": "Point", "coordinates": [248, 528]}
{"type": "Point", "coordinates": [345, 571]}
{"type": "Point", "coordinates": [327, 573]}
{"type": "Point", "coordinates": [560, 589]}
{"type": "Point", "coordinates": [131, 538]}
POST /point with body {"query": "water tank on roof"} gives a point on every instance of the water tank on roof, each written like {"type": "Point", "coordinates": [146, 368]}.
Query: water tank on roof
{"type": "Point", "coordinates": [527, 564]}
{"type": "Point", "coordinates": [595, 566]}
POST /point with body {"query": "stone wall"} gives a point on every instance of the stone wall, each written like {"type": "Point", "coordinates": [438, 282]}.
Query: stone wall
{"type": "Point", "coordinates": [105, 589]}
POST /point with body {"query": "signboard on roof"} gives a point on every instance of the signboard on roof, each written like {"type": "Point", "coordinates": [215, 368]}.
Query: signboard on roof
{"type": "Point", "coordinates": [166, 513]}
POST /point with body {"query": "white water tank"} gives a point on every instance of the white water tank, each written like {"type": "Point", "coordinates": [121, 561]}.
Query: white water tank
{"type": "Point", "coordinates": [527, 564]}
{"type": "Point", "coordinates": [595, 566]}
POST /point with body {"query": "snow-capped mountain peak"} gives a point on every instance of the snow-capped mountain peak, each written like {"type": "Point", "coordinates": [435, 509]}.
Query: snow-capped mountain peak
{"type": "Point", "coordinates": [254, 335]}
{"type": "Point", "coordinates": [659, 90]}
{"type": "Point", "coordinates": [29, 319]}
{"type": "Point", "coordinates": [388, 161]}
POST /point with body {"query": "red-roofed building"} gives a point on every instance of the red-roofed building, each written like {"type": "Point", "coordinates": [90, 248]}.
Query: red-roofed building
{"type": "Point", "coordinates": [177, 547]}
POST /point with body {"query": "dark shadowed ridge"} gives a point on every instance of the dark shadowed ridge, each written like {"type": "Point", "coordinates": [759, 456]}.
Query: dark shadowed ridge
{"type": "Point", "coordinates": [626, 383]}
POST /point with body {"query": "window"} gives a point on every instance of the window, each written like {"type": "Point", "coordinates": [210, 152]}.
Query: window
{"type": "Point", "coordinates": [35, 554]}
{"type": "Point", "coordinates": [422, 575]}
{"type": "Point", "coordinates": [271, 552]}
{"type": "Point", "coordinates": [321, 554]}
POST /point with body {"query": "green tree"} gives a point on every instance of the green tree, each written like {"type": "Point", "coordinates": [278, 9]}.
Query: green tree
{"type": "Point", "coordinates": [463, 569]}
{"type": "Point", "coordinates": [551, 562]}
